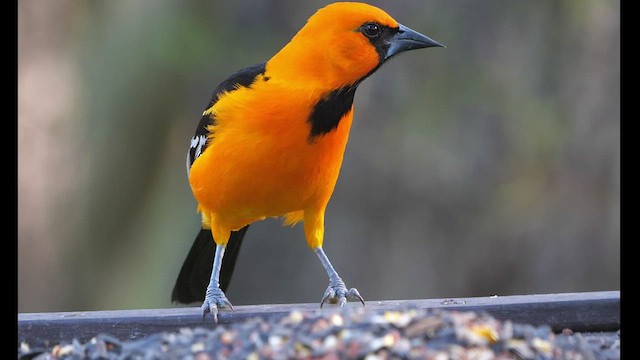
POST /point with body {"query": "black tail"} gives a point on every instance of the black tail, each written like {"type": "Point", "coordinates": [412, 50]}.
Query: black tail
{"type": "Point", "coordinates": [195, 274]}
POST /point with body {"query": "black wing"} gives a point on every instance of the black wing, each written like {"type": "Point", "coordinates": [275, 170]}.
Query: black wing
{"type": "Point", "coordinates": [244, 77]}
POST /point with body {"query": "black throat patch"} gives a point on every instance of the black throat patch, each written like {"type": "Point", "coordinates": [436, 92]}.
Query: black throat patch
{"type": "Point", "coordinates": [329, 110]}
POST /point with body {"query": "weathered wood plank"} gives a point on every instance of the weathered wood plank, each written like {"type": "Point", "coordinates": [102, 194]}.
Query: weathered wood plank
{"type": "Point", "coordinates": [581, 312]}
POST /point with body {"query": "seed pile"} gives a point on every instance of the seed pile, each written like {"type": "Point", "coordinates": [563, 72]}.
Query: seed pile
{"type": "Point", "coordinates": [348, 334]}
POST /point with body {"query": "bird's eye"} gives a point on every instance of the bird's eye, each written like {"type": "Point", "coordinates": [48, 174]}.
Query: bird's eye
{"type": "Point", "coordinates": [371, 30]}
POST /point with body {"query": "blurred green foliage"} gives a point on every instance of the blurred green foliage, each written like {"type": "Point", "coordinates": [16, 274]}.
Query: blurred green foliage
{"type": "Point", "coordinates": [489, 167]}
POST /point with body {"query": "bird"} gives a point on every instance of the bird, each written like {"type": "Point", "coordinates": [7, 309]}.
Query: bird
{"type": "Point", "coordinates": [271, 140]}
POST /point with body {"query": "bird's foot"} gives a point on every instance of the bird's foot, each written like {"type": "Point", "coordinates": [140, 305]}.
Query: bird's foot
{"type": "Point", "coordinates": [337, 293]}
{"type": "Point", "coordinates": [213, 301]}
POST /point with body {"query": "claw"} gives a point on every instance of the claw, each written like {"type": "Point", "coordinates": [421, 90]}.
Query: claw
{"type": "Point", "coordinates": [353, 295]}
{"type": "Point", "coordinates": [329, 294]}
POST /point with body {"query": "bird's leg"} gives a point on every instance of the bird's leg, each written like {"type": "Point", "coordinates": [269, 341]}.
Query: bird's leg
{"type": "Point", "coordinates": [337, 291]}
{"type": "Point", "coordinates": [214, 297]}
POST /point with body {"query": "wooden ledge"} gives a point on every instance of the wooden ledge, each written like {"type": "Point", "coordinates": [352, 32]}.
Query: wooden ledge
{"type": "Point", "coordinates": [580, 312]}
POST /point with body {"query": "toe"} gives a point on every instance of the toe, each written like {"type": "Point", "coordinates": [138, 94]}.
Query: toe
{"type": "Point", "coordinates": [225, 303]}
{"type": "Point", "coordinates": [210, 307]}
{"type": "Point", "coordinates": [329, 296]}
{"type": "Point", "coordinates": [353, 294]}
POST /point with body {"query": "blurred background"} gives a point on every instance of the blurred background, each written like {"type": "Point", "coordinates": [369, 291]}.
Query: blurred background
{"type": "Point", "coordinates": [491, 167]}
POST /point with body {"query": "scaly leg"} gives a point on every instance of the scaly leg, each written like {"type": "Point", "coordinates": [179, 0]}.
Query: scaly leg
{"type": "Point", "coordinates": [337, 291]}
{"type": "Point", "coordinates": [214, 297]}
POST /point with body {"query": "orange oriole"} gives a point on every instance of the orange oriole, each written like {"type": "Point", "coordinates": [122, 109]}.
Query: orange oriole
{"type": "Point", "coordinates": [270, 143]}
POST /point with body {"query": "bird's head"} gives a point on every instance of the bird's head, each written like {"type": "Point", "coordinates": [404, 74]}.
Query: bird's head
{"type": "Point", "coordinates": [347, 41]}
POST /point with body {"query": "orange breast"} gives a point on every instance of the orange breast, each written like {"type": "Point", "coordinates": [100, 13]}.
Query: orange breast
{"type": "Point", "coordinates": [261, 162]}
